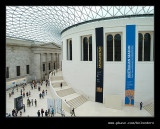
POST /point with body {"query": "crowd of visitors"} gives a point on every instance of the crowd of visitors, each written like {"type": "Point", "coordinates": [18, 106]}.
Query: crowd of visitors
{"type": "Point", "coordinates": [47, 113]}
{"type": "Point", "coordinates": [33, 102]}
{"type": "Point", "coordinates": [30, 102]}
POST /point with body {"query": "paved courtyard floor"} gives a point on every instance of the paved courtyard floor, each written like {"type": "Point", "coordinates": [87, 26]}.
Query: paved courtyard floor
{"type": "Point", "coordinates": [88, 109]}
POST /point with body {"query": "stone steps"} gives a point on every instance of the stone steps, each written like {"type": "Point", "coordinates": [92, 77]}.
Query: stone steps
{"type": "Point", "coordinates": [55, 78]}
{"type": "Point", "coordinates": [65, 92]}
{"type": "Point", "coordinates": [63, 88]}
{"type": "Point", "coordinates": [57, 84]}
{"type": "Point", "coordinates": [76, 102]}
{"type": "Point", "coordinates": [70, 96]}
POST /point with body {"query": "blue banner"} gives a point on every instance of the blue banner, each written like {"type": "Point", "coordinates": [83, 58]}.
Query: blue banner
{"type": "Point", "coordinates": [130, 65]}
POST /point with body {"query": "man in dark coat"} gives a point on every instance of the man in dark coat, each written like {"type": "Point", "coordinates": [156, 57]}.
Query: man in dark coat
{"type": "Point", "coordinates": [61, 84]}
{"type": "Point", "coordinates": [141, 105]}
{"type": "Point", "coordinates": [38, 113]}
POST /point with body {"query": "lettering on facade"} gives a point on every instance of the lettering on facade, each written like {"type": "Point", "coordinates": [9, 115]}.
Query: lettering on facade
{"type": "Point", "coordinates": [129, 62]}
{"type": "Point", "coordinates": [100, 57]}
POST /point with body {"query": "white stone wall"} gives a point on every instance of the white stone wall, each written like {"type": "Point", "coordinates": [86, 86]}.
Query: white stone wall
{"type": "Point", "coordinates": [81, 75]}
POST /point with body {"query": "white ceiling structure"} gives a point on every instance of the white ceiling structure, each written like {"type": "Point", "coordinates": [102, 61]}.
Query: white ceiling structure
{"type": "Point", "coordinates": [43, 24]}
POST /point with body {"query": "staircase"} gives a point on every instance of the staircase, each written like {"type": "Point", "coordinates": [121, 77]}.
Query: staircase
{"type": "Point", "coordinates": [66, 93]}
{"type": "Point", "coordinates": [149, 108]}
{"type": "Point", "coordinates": [76, 102]}
{"type": "Point", "coordinates": [57, 84]}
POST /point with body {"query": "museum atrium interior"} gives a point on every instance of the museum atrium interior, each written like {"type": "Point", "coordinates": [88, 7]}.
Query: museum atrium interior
{"type": "Point", "coordinates": [93, 59]}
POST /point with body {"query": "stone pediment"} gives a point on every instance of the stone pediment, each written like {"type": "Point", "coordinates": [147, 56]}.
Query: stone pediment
{"type": "Point", "coordinates": [50, 45]}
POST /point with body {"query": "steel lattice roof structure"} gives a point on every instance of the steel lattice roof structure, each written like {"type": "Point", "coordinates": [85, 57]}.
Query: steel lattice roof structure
{"type": "Point", "coordinates": [43, 24]}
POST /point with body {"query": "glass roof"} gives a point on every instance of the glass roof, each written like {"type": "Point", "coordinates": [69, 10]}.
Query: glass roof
{"type": "Point", "coordinates": [43, 24]}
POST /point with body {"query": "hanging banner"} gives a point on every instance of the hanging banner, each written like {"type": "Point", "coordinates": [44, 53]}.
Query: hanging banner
{"type": "Point", "coordinates": [50, 104]}
{"type": "Point", "coordinates": [99, 65]}
{"type": "Point", "coordinates": [59, 105]}
{"type": "Point", "coordinates": [130, 65]}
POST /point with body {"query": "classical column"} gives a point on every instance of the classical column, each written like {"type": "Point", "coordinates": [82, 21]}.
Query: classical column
{"type": "Point", "coordinates": [57, 60]}
{"type": "Point", "coordinates": [52, 61]}
{"type": "Point", "coordinates": [36, 68]}
{"type": "Point", "coordinates": [47, 64]}
{"type": "Point", "coordinates": [60, 60]}
{"type": "Point", "coordinates": [41, 65]}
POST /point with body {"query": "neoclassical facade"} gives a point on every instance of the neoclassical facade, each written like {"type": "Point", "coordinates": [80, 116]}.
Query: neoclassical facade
{"type": "Point", "coordinates": [26, 61]}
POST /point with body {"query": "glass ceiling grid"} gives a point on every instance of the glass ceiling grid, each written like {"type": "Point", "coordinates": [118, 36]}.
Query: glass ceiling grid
{"type": "Point", "coordinates": [44, 24]}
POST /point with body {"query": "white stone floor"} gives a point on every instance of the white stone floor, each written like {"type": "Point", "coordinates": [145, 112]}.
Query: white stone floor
{"type": "Point", "coordinates": [93, 109]}
{"type": "Point", "coordinates": [88, 109]}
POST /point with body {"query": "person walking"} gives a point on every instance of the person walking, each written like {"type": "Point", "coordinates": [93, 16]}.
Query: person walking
{"type": "Point", "coordinates": [40, 95]}
{"type": "Point", "coordinates": [29, 102]}
{"type": "Point", "coordinates": [46, 113]}
{"type": "Point", "coordinates": [13, 112]}
{"type": "Point", "coordinates": [42, 111]}
{"type": "Point", "coordinates": [52, 112]}
{"type": "Point", "coordinates": [73, 113]}
{"type": "Point", "coordinates": [24, 108]}
{"type": "Point", "coordinates": [61, 84]}
{"type": "Point", "coordinates": [21, 91]}
{"type": "Point", "coordinates": [63, 113]}
{"type": "Point", "coordinates": [46, 92]}
{"type": "Point", "coordinates": [20, 113]}
{"type": "Point", "coordinates": [16, 112]}
{"type": "Point", "coordinates": [31, 86]}
{"type": "Point", "coordinates": [141, 105]}
{"type": "Point", "coordinates": [38, 113]}
{"type": "Point", "coordinates": [32, 102]}
{"type": "Point", "coordinates": [43, 92]}
{"type": "Point", "coordinates": [9, 95]}
{"type": "Point", "coordinates": [29, 93]}
{"type": "Point", "coordinates": [23, 94]}
{"type": "Point", "coordinates": [35, 103]}
{"type": "Point", "coordinates": [13, 91]}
